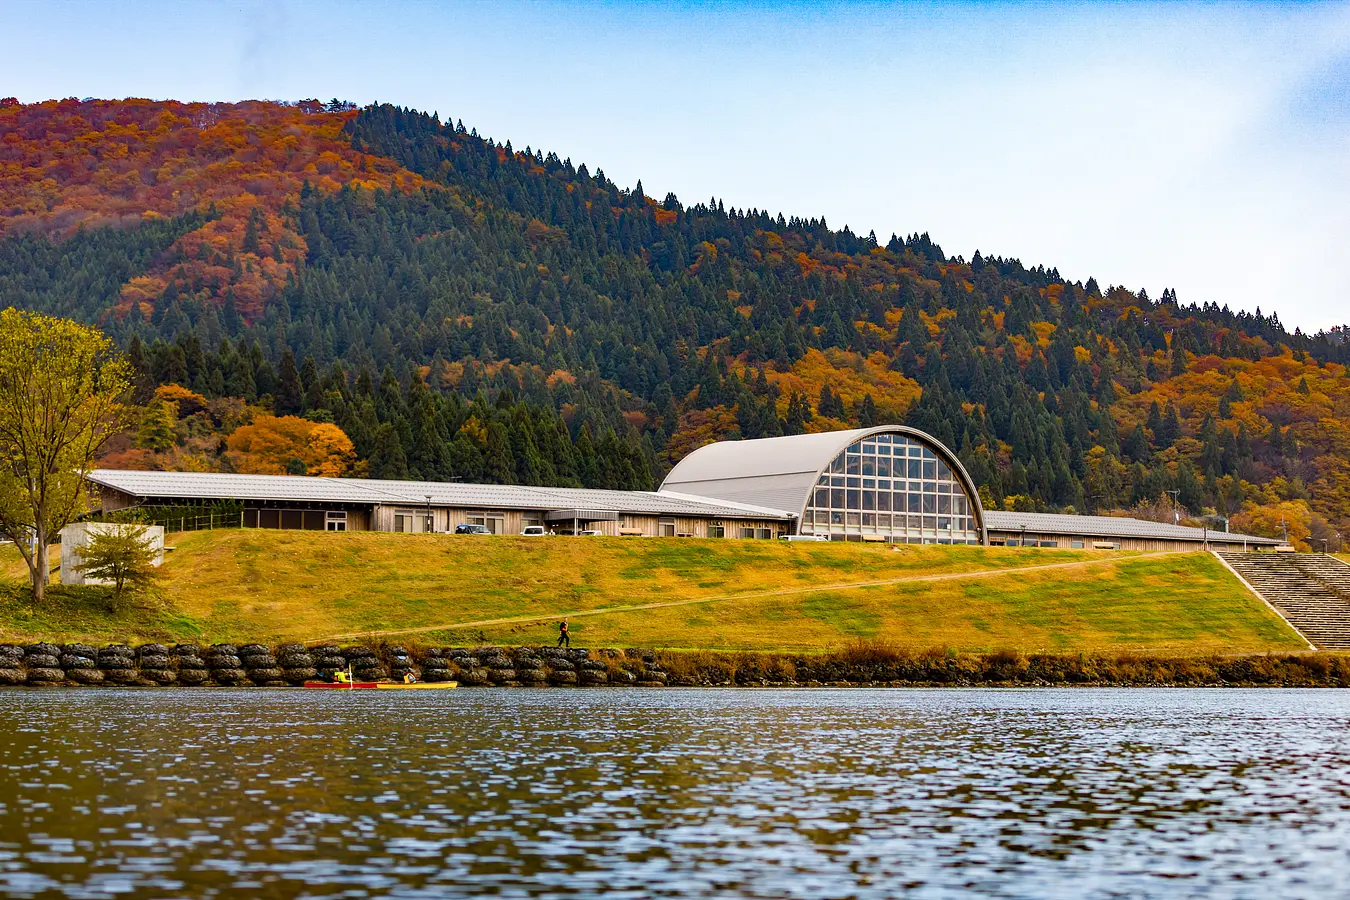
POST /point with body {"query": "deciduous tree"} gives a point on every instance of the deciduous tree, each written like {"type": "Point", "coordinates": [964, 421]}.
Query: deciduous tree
{"type": "Point", "coordinates": [63, 393]}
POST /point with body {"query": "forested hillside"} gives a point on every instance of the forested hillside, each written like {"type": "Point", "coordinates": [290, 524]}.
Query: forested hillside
{"type": "Point", "coordinates": [458, 308]}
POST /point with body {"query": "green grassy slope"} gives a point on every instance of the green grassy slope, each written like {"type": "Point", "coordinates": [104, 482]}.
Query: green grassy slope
{"type": "Point", "coordinates": [274, 586]}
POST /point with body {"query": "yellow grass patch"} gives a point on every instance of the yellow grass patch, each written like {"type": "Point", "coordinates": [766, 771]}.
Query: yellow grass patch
{"type": "Point", "coordinates": [306, 586]}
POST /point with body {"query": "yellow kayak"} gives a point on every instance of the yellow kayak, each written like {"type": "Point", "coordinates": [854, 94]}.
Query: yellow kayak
{"type": "Point", "coordinates": [382, 686]}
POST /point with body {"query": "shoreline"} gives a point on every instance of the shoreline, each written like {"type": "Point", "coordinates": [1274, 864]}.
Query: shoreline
{"type": "Point", "coordinates": [864, 664]}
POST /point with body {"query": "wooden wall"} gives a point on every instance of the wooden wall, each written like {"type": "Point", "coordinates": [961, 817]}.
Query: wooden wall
{"type": "Point", "coordinates": [1217, 541]}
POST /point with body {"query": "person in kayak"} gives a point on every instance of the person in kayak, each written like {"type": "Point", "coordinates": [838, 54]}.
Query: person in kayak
{"type": "Point", "coordinates": [342, 677]}
{"type": "Point", "coordinates": [409, 677]}
{"type": "Point", "coordinates": [564, 637]}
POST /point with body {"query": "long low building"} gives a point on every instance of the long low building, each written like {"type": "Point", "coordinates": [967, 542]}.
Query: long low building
{"type": "Point", "coordinates": [890, 483]}
{"type": "Point", "coordinates": [1016, 529]}
{"type": "Point", "coordinates": [358, 504]}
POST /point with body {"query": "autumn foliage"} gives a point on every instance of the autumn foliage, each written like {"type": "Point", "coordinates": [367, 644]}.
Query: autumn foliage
{"type": "Point", "coordinates": [290, 445]}
{"type": "Point", "coordinates": [72, 164]}
{"type": "Point", "coordinates": [460, 308]}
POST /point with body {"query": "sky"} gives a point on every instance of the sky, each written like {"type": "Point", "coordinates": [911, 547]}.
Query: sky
{"type": "Point", "coordinates": [1199, 147]}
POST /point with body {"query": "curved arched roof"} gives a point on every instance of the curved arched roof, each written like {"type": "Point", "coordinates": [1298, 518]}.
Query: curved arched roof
{"type": "Point", "coordinates": [780, 472]}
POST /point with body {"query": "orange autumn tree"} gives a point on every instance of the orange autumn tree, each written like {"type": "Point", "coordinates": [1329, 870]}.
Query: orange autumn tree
{"type": "Point", "coordinates": [290, 445]}
{"type": "Point", "coordinates": [70, 164]}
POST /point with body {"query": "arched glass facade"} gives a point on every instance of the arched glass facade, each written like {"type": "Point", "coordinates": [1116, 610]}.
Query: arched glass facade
{"type": "Point", "coordinates": [895, 488]}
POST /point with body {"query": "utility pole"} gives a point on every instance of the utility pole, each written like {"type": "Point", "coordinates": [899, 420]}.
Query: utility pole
{"type": "Point", "coordinates": [1176, 516]}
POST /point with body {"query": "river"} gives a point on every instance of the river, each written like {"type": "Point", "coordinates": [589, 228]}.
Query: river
{"type": "Point", "coordinates": [630, 793]}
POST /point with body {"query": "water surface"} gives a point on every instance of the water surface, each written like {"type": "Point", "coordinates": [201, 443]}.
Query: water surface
{"type": "Point", "coordinates": [700, 793]}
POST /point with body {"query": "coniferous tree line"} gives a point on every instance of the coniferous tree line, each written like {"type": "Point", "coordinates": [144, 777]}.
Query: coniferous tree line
{"type": "Point", "coordinates": [543, 304]}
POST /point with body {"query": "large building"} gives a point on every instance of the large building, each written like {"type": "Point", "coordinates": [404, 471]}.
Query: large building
{"type": "Point", "coordinates": [890, 483]}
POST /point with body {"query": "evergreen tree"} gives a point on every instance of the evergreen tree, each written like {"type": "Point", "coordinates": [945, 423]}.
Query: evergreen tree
{"type": "Point", "coordinates": [290, 390]}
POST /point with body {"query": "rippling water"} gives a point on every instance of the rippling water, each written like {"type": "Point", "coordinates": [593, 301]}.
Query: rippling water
{"type": "Point", "coordinates": [706, 793]}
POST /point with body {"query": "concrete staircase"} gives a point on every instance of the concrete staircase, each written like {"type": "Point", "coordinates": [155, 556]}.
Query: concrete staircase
{"type": "Point", "coordinates": [1311, 590]}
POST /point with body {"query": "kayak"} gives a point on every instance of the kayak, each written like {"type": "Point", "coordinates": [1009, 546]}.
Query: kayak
{"type": "Point", "coordinates": [383, 686]}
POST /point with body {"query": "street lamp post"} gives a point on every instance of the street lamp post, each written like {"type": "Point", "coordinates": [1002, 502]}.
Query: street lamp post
{"type": "Point", "coordinates": [1176, 517]}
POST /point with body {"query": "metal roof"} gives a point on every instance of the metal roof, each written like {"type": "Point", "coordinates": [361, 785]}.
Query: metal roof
{"type": "Point", "coordinates": [781, 471]}
{"type": "Point", "coordinates": [1107, 527]}
{"type": "Point", "coordinates": [301, 488]}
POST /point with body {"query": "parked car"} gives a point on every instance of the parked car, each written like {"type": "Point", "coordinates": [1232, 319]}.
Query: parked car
{"type": "Point", "coordinates": [590, 532]}
{"type": "Point", "coordinates": [803, 537]}
{"type": "Point", "coordinates": [534, 531]}
{"type": "Point", "coordinates": [472, 529]}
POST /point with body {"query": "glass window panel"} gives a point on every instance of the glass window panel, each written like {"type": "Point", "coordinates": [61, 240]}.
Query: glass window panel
{"type": "Point", "coordinates": [837, 480]}
{"type": "Point", "coordinates": [914, 467]}
{"type": "Point", "coordinates": [944, 504]}
{"type": "Point", "coordinates": [883, 522]}
{"type": "Point", "coordinates": [884, 439]}
{"type": "Point", "coordinates": [869, 499]}
{"type": "Point", "coordinates": [915, 450]}
{"type": "Point", "coordinates": [929, 468]}
{"type": "Point", "coordinates": [929, 454]}
{"type": "Point", "coordinates": [824, 479]}
{"type": "Point", "coordinates": [884, 501]}
{"type": "Point", "coordinates": [959, 505]}
{"type": "Point", "coordinates": [884, 467]}
{"type": "Point", "coordinates": [852, 481]}
{"type": "Point", "coordinates": [943, 471]}
{"type": "Point", "coordinates": [869, 482]}
{"type": "Point", "coordinates": [851, 518]}
{"type": "Point", "coordinates": [869, 520]}
{"type": "Point", "coordinates": [930, 523]}
{"type": "Point", "coordinates": [852, 502]}
{"type": "Point", "coordinates": [869, 466]}
{"type": "Point", "coordinates": [837, 517]}
{"type": "Point", "coordinates": [822, 497]}
{"type": "Point", "coordinates": [929, 503]}
{"type": "Point", "coordinates": [944, 523]}
{"type": "Point", "coordinates": [930, 487]}
{"type": "Point", "coordinates": [884, 484]}
{"type": "Point", "coordinates": [852, 464]}
{"type": "Point", "coordinates": [837, 498]}
{"type": "Point", "coordinates": [883, 450]}
{"type": "Point", "coordinates": [869, 447]}
{"type": "Point", "coordinates": [944, 487]}
{"type": "Point", "coordinates": [838, 464]}
{"type": "Point", "coordinates": [915, 502]}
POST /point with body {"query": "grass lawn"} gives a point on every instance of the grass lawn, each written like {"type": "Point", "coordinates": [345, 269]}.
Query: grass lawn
{"type": "Point", "coordinates": [278, 585]}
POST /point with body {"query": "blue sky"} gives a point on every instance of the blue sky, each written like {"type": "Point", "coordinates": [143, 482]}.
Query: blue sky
{"type": "Point", "coordinates": [1204, 148]}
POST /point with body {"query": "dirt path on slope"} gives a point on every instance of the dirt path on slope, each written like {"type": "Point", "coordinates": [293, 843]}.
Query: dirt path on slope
{"type": "Point", "coordinates": [747, 595]}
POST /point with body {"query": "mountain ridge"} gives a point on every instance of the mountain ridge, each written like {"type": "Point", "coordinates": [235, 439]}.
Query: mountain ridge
{"type": "Point", "coordinates": [453, 266]}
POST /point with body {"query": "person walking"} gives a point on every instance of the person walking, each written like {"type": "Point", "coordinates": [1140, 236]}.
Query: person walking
{"type": "Point", "coordinates": [564, 637]}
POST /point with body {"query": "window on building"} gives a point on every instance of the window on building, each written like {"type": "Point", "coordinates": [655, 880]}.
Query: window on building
{"type": "Point", "coordinates": [1076, 545]}
{"type": "Point", "coordinates": [336, 521]}
{"type": "Point", "coordinates": [747, 531]}
{"type": "Point", "coordinates": [716, 530]}
{"type": "Point", "coordinates": [856, 494]}
{"type": "Point", "coordinates": [665, 527]}
{"type": "Point", "coordinates": [494, 522]}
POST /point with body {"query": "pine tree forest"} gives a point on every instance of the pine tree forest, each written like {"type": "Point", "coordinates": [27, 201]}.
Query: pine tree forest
{"type": "Point", "coordinates": [311, 288]}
